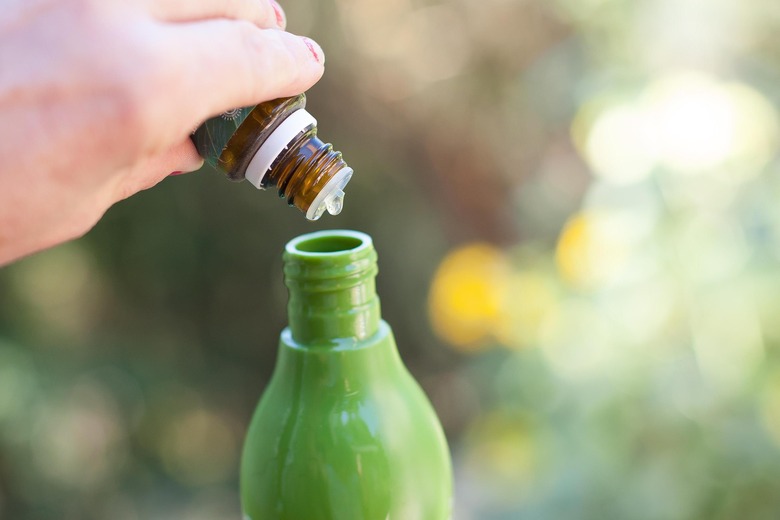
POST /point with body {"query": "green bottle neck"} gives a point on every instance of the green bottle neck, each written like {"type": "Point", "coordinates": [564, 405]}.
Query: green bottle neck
{"type": "Point", "coordinates": [331, 280]}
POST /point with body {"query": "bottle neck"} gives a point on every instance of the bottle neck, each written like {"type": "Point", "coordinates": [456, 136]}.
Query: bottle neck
{"type": "Point", "coordinates": [308, 173]}
{"type": "Point", "coordinates": [331, 280]}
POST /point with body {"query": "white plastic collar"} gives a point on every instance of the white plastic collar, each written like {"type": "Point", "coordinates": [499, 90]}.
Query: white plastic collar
{"type": "Point", "coordinates": [275, 144]}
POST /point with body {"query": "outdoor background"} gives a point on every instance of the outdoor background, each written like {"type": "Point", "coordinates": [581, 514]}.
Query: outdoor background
{"type": "Point", "coordinates": [576, 204]}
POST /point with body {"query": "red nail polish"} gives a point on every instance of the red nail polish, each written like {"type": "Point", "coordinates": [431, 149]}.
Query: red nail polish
{"type": "Point", "coordinates": [312, 48]}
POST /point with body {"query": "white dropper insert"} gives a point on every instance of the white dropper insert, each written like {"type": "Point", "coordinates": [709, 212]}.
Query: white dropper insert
{"type": "Point", "coordinates": [331, 197]}
{"type": "Point", "coordinates": [275, 144]}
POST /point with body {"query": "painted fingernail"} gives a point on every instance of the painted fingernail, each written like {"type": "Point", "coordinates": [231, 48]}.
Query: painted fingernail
{"type": "Point", "coordinates": [281, 20]}
{"type": "Point", "coordinates": [315, 49]}
{"type": "Point", "coordinates": [174, 173]}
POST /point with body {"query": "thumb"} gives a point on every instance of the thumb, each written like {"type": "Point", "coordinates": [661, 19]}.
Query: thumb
{"type": "Point", "coordinates": [146, 173]}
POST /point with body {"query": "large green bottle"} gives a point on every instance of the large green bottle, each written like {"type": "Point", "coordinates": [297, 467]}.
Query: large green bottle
{"type": "Point", "coordinates": [343, 432]}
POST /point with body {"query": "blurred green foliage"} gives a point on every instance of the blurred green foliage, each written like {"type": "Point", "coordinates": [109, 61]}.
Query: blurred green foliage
{"type": "Point", "coordinates": [575, 207]}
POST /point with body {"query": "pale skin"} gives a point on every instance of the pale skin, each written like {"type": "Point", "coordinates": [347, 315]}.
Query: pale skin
{"type": "Point", "coordinates": [98, 99]}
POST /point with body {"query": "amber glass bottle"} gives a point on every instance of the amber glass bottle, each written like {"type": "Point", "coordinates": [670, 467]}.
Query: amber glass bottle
{"type": "Point", "coordinates": [275, 145]}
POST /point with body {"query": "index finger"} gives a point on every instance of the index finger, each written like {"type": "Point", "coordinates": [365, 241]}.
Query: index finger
{"type": "Point", "coordinates": [218, 65]}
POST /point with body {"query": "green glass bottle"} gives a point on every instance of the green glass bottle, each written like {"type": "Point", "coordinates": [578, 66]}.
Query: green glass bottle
{"type": "Point", "coordinates": [343, 431]}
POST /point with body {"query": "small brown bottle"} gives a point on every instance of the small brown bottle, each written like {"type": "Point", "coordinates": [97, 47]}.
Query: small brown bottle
{"type": "Point", "coordinates": [275, 144]}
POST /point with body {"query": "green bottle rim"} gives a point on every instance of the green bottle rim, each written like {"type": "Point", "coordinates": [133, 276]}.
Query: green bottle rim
{"type": "Point", "coordinates": [329, 260]}
{"type": "Point", "coordinates": [331, 280]}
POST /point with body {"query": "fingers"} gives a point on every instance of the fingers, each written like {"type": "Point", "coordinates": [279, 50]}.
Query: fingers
{"type": "Point", "coordinates": [263, 13]}
{"type": "Point", "coordinates": [226, 64]}
{"type": "Point", "coordinates": [181, 158]}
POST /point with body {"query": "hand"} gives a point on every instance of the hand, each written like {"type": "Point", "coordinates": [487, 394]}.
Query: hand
{"type": "Point", "coordinates": [98, 99]}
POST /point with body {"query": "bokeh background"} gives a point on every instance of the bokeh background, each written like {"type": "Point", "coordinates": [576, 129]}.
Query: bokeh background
{"type": "Point", "coordinates": [577, 209]}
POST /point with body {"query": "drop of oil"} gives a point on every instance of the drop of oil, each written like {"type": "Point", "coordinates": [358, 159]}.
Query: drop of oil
{"type": "Point", "coordinates": [335, 203]}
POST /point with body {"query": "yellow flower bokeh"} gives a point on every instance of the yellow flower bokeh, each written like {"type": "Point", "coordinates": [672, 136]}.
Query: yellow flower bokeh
{"type": "Point", "coordinates": [467, 294]}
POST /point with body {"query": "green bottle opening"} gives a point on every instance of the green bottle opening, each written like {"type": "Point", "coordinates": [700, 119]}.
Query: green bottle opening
{"type": "Point", "coordinates": [330, 276]}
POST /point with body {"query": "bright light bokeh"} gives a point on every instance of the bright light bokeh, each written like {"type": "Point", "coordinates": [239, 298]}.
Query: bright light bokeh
{"type": "Point", "coordinates": [689, 123]}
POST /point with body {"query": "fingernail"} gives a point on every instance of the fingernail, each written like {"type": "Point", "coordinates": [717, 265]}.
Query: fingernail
{"type": "Point", "coordinates": [281, 20]}
{"type": "Point", "coordinates": [174, 173]}
{"type": "Point", "coordinates": [315, 49]}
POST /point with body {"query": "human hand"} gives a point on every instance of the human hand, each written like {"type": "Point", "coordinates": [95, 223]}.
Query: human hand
{"type": "Point", "coordinates": [98, 99]}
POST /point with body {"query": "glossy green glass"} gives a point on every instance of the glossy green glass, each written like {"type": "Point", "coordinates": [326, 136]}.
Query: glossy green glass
{"type": "Point", "coordinates": [343, 432]}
